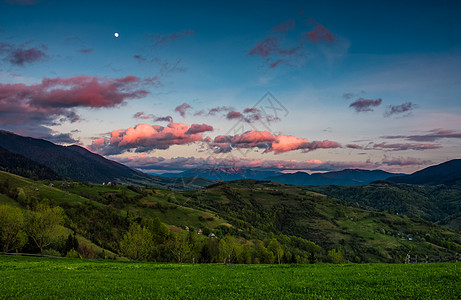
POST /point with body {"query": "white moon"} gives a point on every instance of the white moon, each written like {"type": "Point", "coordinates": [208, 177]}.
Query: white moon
{"type": "Point", "coordinates": [116, 34]}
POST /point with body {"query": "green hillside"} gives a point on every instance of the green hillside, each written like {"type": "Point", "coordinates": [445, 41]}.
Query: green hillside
{"type": "Point", "coordinates": [258, 221]}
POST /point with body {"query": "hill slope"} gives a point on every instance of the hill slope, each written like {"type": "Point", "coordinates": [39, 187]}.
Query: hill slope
{"type": "Point", "coordinates": [444, 172]}
{"type": "Point", "coordinates": [348, 177]}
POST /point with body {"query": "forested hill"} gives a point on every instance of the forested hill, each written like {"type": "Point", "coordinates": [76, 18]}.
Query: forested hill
{"type": "Point", "coordinates": [20, 165]}
{"type": "Point", "coordinates": [445, 172]}
{"type": "Point", "coordinates": [439, 203]}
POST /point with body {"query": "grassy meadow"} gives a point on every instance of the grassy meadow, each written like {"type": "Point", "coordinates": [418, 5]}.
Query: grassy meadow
{"type": "Point", "coordinates": [60, 278]}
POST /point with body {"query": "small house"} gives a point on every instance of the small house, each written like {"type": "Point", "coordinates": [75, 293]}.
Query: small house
{"type": "Point", "coordinates": [199, 231]}
{"type": "Point", "coordinates": [186, 228]}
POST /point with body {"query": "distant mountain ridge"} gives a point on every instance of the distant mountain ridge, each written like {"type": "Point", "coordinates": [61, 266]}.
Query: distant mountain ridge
{"type": "Point", "coordinates": [225, 174]}
{"type": "Point", "coordinates": [441, 173]}
{"type": "Point", "coordinates": [81, 165]}
{"type": "Point", "coordinates": [347, 177]}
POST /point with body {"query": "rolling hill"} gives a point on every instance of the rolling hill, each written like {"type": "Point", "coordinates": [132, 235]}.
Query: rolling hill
{"type": "Point", "coordinates": [249, 210]}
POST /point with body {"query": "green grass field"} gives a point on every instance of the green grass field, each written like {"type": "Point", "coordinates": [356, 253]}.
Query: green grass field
{"type": "Point", "coordinates": [48, 278]}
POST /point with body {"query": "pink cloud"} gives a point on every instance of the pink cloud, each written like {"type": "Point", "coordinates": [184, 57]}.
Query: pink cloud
{"type": "Point", "coordinates": [364, 105]}
{"type": "Point", "coordinates": [181, 109]}
{"type": "Point", "coordinates": [285, 26]}
{"type": "Point", "coordinates": [276, 63]}
{"type": "Point", "coordinates": [145, 137]}
{"type": "Point", "coordinates": [265, 48]}
{"type": "Point", "coordinates": [53, 101]}
{"type": "Point", "coordinates": [320, 34]}
{"type": "Point", "coordinates": [268, 141]}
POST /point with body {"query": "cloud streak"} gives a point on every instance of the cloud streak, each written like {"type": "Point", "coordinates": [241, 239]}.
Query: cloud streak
{"type": "Point", "coordinates": [432, 136]}
{"type": "Point", "coordinates": [146, 163]}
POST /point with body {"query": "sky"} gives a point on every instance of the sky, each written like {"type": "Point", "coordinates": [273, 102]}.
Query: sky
{"type": "Point", "coordinates": [291, 86]}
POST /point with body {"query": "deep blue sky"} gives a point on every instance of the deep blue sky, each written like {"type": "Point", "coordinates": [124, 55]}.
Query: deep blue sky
{"type": "Point", "coordinates": [379, 81]}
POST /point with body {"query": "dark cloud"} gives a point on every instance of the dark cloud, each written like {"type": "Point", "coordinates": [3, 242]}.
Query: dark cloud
{"type": "Point", "coordinates": [168, 119]}
{"type": "Point", "coordinates": [364, 105]}
{"type": "Point", "coordinates": [354, 146]}
{"type": "Point", "coordinates": [234, 115]}
{"type": "Point", "coordinates": [162, 39]}
{"type": "Point", "coordinates": [143, 116]}
{"type": "Point", "coordinates": [20, 55]}
{"type": "Point", "coordinates": [87, 50]}
{"type": "Point", "coordinates": [399, 109]}
{"type": "Point", "coordinates": [213, 111]}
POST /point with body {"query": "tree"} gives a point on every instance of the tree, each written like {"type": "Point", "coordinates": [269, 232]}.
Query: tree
{"type": "Point", "coordinates": [336, 256]}
{"type": "Point", "coordinates": [276, 248]}
{"type": "Point", "coordinates": [137, 243]}
{"type": "Point", "coordinates": [226, 249]}
{"type": "Point", "coordinates": [12, 235]}
{"type": "Point", "coordinates": [43, 224]}
{"type": "Point", "coordinates": [180, 248]}
{"type": "Point", "coordinates": [71, 244]}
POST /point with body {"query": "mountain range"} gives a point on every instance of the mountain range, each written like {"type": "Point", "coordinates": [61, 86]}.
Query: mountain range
{"type": "Point", "coordinates": [78, 164]}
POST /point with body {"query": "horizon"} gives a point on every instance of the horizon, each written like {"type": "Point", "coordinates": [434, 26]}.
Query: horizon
{"type": "Point", "coordinates": [311, 87]}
